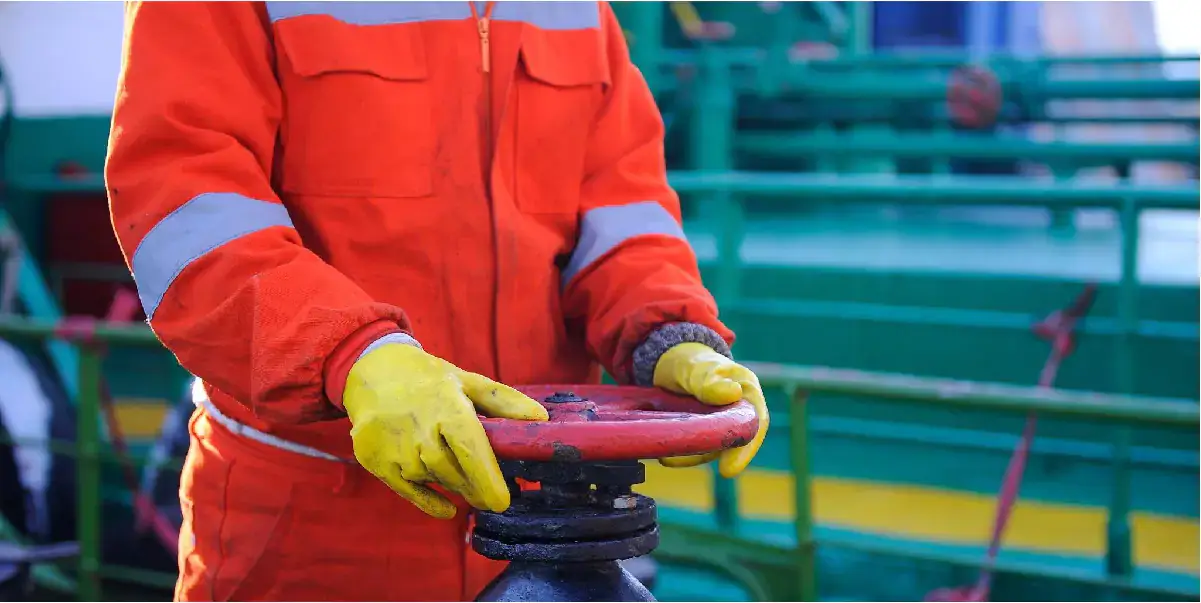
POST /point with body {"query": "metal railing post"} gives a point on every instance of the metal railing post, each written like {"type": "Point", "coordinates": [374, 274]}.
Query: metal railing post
{"type": "Point", "coordinates": [801, 470]}
{"type": "Point", "coordinates": [87, 470]}
{"type": "Point", "coordinates": [1118, 556]}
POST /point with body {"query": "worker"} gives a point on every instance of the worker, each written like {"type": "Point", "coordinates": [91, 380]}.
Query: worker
{"type": "Point", "coordinates": [353, 222]}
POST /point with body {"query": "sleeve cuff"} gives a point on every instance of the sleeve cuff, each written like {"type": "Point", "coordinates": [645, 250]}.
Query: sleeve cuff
{"type": "Point", "coordinates": [646, 355]}
{"type": "Point", "coordinates": [366, 339]}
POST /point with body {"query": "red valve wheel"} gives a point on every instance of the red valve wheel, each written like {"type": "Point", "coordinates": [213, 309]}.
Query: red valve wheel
{"type": "Point", "coordinates": [974, 97]}
{"type": "Point", "coordinates": [613, 423]}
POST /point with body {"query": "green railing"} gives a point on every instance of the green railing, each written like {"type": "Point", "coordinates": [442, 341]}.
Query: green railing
{"type": "Point", "coordinates": [890, 78]}
{"type": "Point", "coordinates": [769, 572]}
{"type": "Point", "coordinates": [716, 192]}
{"type": "Point", "coordinates": [88, 449]}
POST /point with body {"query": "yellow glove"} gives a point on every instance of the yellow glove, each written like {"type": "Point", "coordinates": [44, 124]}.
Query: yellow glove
{"type": "Point", "coordinates": [414, 421]}
{"type": "Point", "coordinates": [696, 370]}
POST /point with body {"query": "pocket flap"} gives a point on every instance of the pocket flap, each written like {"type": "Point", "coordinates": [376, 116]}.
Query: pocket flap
{"type": "Point", "coordinates": [317, 44]}
{"type": "Point", "coordinates": [565, 58]}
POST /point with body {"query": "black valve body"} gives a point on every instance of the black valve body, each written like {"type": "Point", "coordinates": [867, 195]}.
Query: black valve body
{"type": "Point", "coordinates": [564, 540]}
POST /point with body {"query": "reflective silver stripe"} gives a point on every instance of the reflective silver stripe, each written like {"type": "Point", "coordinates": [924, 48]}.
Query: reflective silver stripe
{"type": "Point", "coordinates": [200, 398]}
{"type": "Point", "coordinates": [544, 15]}
{"type": "Point", "coordinates": [199, 226]}
{"type": "Point", "coordinates": [372, 13]}
{"type": "Point", "coordinates": [550, 15]}
{"type": "Point", "coordinates": [604, 228]}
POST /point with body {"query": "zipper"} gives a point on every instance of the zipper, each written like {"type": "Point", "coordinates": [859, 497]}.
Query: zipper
{"type": "Point", "coordinates": [485, 44]}
{"type": "Point", "coordinates": [484, 28]}
{"type": "Point", "coordinates": [483, 25]}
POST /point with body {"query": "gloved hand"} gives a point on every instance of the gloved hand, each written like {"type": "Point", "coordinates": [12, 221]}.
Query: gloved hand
{"type": "Point", "coordinates": [696, 370]}
{"type": "Point", "coordinates": [414, 421]}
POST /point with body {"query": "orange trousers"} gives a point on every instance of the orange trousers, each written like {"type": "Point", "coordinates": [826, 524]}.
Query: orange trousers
{"type": "Point", "coordinates": [265, 524]}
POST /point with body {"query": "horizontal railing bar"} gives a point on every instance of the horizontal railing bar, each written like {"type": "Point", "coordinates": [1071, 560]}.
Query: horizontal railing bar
{"type": "Point", "coordinates": [1133, 410]}
{"type": "Point", "coordinates": [52, 183]}
{"type": "Point", "coordinates": [956, 146]}
{"type": "Point", "coordinates": [950, 317]}
{"type": "Point", "coordinates": [876, 87]}
{"type": "Point", "coordinates": [953, 190]}
{"type": "Point", "coordinates": [880, 114]}
{"type": "Point", "coordinates": [38, 329]}
{"type": "Point", "coordinates": [750, 56]}
{"type": "Point", "coordinates": [137, 576]}
{"type": "Point", "coordinates": [106, 456]}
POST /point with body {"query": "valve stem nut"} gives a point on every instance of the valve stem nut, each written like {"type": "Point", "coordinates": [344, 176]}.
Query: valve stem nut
{"type": "Point", "coordinates": [563, 397]}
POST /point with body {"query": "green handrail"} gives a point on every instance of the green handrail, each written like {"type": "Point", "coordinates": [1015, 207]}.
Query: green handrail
{"type": "Point", "coordinates": [799, 381]}
{"type": "Point", "coordinates": [949, 190]}
{"type": "Point", "coordinates": [716, 187]}
{"type": "Point", "coordinates": [1126, 411]}
{"type": "Point", "coordinates": [88, 441]}
{"type": "Point", "coordinates": [672, 58]}
{"type": "Point", "coordinates": [964, 146]}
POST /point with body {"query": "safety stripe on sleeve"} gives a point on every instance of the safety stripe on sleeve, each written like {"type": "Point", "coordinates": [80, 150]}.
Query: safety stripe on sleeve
{"type": "Point", "coordinates": [199, 226]}
{"type": "Point", "coordinates": [544, 15]}
{"type": "Point", "coordinates": [604, 228]}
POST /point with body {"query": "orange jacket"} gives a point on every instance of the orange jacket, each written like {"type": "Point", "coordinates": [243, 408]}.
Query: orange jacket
{"type": "Point", "coordinates": [290, 181]}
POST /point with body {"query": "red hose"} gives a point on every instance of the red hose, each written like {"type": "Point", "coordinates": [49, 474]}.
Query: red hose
{"type": "Point", "coordinates": [1060, 329]}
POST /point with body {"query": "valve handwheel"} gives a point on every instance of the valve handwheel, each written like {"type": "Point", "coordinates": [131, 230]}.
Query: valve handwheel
{"type": "Point", "coordinates": [974, 97]}
{"type": "Point", "coordinates": [593, 423]}
{"type": "Point", "coordinates": [564, 538]}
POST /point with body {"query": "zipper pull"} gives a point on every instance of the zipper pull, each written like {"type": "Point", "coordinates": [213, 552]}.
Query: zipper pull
{"type": "Point", "coordinates": [485, 46]}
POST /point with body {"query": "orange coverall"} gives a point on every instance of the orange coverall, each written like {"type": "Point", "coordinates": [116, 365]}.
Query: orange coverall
{"type": "Point", "coordinates": [293, 181]}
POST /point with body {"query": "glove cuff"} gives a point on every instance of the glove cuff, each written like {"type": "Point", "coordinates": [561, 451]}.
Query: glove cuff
{"type": "Point", "coordinates": [647, 355]}
{"type": "Point", "coordinates": [398, 338]}
{"type": "Point", "coordinates": [353, 348]}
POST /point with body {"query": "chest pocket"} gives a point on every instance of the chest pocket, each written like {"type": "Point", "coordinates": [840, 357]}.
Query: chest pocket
{"type": "Point", "coordinates": [560, 85]}
{"type": "Point", "coordinates": [357, 109]}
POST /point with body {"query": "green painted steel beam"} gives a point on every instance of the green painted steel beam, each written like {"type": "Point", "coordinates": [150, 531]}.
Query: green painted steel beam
{"type": "Point", "coordinates": [1122, 409]}
{"type": "Point", "coordinates": [898, 87]}
{"type": "Point", "coordinates": [946, 60]}
{"type": "Point", "coordinates": [51, 183]}
{"type": "Point", "coordinates": [964, 146]}
{"type": "Point", "coordinates": [957, 190]}
{"type": "Point", "coordinates": [87, 476]}
{"type": "Point", "coordinates": [137, 335]}
{"type": "Point", "coordinates": [786, 113]}
{"type": "Point", "coordinates": [750, 57]}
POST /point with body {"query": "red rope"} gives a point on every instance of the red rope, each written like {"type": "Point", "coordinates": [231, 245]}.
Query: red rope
{"type": "Point", "coordinates": [1060, 329]}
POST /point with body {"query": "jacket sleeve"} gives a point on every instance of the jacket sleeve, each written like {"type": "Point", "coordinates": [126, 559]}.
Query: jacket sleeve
{"type": "Point", "coordinates": [223, 276]}
{"type": "Point", "coordinates": [633, 278]}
